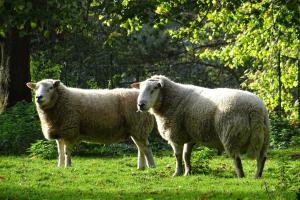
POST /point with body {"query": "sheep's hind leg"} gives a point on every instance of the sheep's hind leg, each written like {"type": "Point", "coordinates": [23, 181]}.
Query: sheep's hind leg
{"type": "Point", "coordinates": [144, 154]}
{"type": "Point", "coordinates": [178, 148]}
{"type": "Point", "coordinates": [61, 153]}
{"type": "Point", "coordinates": [238, 166]}
{"type": "Point", "coordinates": [187, 151]}
{"type": "Point", "coordinates": [260, 164]}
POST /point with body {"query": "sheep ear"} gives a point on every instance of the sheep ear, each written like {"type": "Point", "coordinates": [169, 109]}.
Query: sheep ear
{"type": "Point", "coordinates": [31, 85]}
{"type": "Point", "coordinates": [135, 85]}
{"type": "Point", "coordinates": [160, 83]}
{"type": "Point", "coordinates": [56, 83]}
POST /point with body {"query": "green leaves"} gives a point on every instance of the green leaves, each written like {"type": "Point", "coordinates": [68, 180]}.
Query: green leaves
{"type": "Point", "coordinates": [246, 36]}
{"type": "Point", "coordinates": [33, 24]}
{"type": "Point", "coordinates": [132, 25]}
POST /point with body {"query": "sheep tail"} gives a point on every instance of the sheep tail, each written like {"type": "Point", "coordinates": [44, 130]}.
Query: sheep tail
{"type": "Point", "coordinates": [259, 138]}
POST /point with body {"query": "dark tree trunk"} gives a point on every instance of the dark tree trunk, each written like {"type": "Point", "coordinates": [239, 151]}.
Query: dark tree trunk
{"type": "Point", "coordinates": [14, 69]}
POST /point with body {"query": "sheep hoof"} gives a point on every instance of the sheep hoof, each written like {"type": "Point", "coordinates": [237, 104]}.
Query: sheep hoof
{"type": "Point", "coordinates": [141, 168]}
{"type": "Point", "coordinates": [188, 173]}
{"type": "Point", "coordinates": [241, 176]}
{"type": "Point", "coordinates": [177, 174]}
{"type": "Point", "coordinates": [257, 177]}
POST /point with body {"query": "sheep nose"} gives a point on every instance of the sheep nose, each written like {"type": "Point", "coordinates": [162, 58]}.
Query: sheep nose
{"type": "Point", "coordinates": [141, 105]}
{"type": "Point", "coordinates": [39, 98]}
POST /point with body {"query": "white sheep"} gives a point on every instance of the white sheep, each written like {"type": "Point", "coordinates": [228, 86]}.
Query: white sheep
{"type": "Point", "coordinates": [71, 115]}
{"type": "Point", "coordinates": [234, 120]}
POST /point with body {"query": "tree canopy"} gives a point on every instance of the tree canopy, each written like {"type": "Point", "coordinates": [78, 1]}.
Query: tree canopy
{"type": "Point", "coordinates": [102, 43]}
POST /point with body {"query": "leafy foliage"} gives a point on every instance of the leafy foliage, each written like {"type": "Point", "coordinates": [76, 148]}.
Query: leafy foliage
{"type": "Point", "coordinates": [19, 127]}
{"type": "Point", "coordinates": [108, 44]}
{"type": "Point", "coordinates": [47, 149]}
{"type": "Point", "coordinates": [43, 149]}
{"type": "Point", "coordinates": [200, 160]}
{"type": "Point", "coordinates": [288, 180]}
{"type": "Point", "coordinates": [283, 134]}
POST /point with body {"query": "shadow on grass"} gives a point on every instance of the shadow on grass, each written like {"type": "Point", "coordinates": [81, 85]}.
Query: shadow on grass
{"type": "Point", "coordinates": [96, 193]}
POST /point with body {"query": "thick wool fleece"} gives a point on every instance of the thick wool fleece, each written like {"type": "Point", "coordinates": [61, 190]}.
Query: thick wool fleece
{"type": "Point", "coordinates": [97, 116]}
{"type": "Point", "coordinates": [221, 118]}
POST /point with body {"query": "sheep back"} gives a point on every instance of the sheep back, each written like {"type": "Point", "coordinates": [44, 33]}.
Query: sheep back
{"type": "Point", "coordinates": [97, 116]}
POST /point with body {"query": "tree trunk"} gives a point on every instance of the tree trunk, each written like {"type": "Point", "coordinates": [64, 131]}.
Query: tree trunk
{"type": "Point", "coordinates": [14, 69]}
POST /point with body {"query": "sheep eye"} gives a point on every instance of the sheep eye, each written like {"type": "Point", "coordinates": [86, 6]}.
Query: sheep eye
{"type": "Point", "coordinates": [50, 88]}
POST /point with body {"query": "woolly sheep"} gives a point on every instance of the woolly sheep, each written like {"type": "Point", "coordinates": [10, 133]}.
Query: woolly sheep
{"type": "Point", "coordinates": [71, 115]}
{"type": "Point", "coordinates": [227, 119]}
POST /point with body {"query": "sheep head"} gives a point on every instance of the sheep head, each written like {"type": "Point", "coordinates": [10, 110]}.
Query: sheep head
{"type": "Point", "coordinates": [45, 92]}
{"type": "Point", "coordinates": [149, 92]}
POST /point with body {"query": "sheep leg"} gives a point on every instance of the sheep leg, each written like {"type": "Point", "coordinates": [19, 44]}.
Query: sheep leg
{"type": "Point", "coordinates": [61, 153]}
{"type": "Point", "coordinates": [144, 154]}
{"type": "Point", "coordinates": [141, 163]}
{"type": "Point", "coordinates": [238, 167]}
{"type": "Point", "coordinates": [178, 148]}
{"type": "Point", "coordinates": [149, 155]}
{"type": "Point", "coordinates": [260, 164]}
{"type": "Point", "coordinates": [68, 151]}
{"type": "Point", "coordinates": [187, 151]}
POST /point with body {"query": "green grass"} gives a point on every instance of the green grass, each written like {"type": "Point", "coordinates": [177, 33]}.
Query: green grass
{"type": "Point", "coordinates": [118, 178]}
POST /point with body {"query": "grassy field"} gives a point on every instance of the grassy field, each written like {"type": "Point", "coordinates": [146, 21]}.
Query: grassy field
{"type": "Point", "coordinates": [118, 178]}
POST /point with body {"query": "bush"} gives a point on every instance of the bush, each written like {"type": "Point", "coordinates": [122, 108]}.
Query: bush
{"type": "Point", "coordinates": [43, 149]}
{"type": "Point", "coordinates": [19, 127]}
{"type": "Point", "coordinates": [283, 133]}
{"type": "Point", "coordinates": [47, 149]}
{"type": "Point", "coordinates": [86, 149]}
{"type": "Point", "coordinates": [200, 160]}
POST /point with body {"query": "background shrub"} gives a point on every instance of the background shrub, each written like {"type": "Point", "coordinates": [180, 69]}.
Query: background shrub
{"type": "Point", "coordinates": [47, 149]}
{"type": "Point", "coordinates": [200, 160]}
{"type": "Point", "coordinates": [20, 133]}
{"type": "Point", "coordinates": [283, 133]}
{"type": "Point", "coordinates": [43, 149]}
{"type": "Point", "coordinates": [19, 127]}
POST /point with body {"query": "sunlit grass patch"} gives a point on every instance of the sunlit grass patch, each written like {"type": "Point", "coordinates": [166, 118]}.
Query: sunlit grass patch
{"type": "Point", "coordinates": [118, 178]}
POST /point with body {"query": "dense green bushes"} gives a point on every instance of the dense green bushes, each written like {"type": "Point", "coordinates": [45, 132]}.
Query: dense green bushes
{"type": "Point", "coordinates": [19, 127]}
{"type": "Point", "coordinates": [20, 133]}
{"type": "Point", "coordinates": [47, 149]}
{"type": "Point", "coordinates": [283, 133]}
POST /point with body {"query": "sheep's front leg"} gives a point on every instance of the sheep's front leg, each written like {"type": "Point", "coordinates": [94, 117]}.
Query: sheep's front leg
{"type": "Point", "coordinates": [141, 163]}
{"type": "Point", "coordinates": [149, 155]}
{"type": "Point", "coordinates": [187, 151]}
{"type": "Point", "coordinates": [178, 148]}
{"type": "Point", "coordinates": [61, 153]}
{"type": "Point", "coordinates": [144, 153]}
{"type": "Point", "coordinates": [68, 151]}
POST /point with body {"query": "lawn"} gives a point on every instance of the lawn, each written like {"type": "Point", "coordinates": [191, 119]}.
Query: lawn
{"type": "Point", "coordinates": [117, 178]}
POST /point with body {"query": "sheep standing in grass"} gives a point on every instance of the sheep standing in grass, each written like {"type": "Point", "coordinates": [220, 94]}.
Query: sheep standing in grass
{"type": "Point", "coordinates": [70, 115]}
{"type": "Point", "coordinates": [229, 119]}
